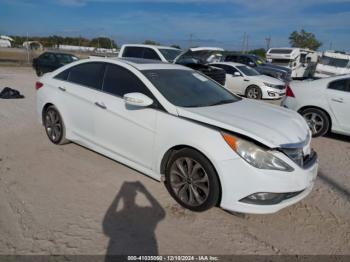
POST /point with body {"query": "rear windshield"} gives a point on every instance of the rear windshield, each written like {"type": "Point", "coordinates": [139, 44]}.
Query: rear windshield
{"type": "Point", "coordinates": [331, 61]}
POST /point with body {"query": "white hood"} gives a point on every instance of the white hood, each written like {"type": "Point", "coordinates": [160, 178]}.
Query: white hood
{"type": "Point", "coordinates": [267, 79]}
{"type": "Point", "coordinates": [268, 124]}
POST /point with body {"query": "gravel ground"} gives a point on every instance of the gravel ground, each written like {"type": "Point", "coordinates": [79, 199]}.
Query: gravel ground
{"type": "Point", "coordinates": [65, 200]}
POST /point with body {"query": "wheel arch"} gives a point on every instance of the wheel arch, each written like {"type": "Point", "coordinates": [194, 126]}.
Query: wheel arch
{"type": "Point", "coordinates": [169, 153]}
{"type": "Point", "coordinates": [300, 110]}
{"type": "Point", "coordinates": [45, 107]}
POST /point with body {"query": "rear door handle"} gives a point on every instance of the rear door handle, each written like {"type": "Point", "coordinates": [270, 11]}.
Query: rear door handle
{"type": "Point", "coordinates": [338, 100]}
{"type": "Point", "coordinates": [101, 105]}
{"type": "Point", "coordinates": [62, 88]}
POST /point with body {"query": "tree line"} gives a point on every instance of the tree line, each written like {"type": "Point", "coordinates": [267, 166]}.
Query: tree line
{"type": "Point", "coordinates": [54, 41]}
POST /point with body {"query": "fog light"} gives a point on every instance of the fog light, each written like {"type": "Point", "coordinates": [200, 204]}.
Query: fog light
{"type": "Point", "coordinates": [266, 198]}
{"type": "Point", "coordinates": [271, 94]}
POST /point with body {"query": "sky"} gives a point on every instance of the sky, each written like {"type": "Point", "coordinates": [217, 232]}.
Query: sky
{"type": "Point", "coordinates": [219, 23]}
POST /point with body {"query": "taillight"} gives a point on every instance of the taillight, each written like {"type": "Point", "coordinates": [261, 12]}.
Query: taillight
{"type": "Point", "coordinates": [38, 85]}
{"type": "Point", "coordinates": [289, 92]}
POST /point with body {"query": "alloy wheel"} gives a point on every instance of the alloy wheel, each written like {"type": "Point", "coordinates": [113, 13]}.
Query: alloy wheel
{"type": "Point", "coordinates": [253, 93]}
{"type": "Point", "coordinates": [189, 181]}
{"type": "Point", "coordinates": [53, 125]}
{"type": "Point", "coordinates": [314, 121]}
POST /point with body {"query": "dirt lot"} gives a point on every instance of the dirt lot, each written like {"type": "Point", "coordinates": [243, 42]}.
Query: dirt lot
{"type": "Point", "coordinates": [62, 200]}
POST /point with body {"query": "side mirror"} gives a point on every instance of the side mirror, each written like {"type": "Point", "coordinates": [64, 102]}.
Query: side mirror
{"type": "Point", "coordinates": [137, 99]}
{"type": "Point", "coordinates": [236, 74]}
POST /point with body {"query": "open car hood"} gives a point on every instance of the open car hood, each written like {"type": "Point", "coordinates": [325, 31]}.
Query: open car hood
{"type": "Point", "coordinates": [198, 55]}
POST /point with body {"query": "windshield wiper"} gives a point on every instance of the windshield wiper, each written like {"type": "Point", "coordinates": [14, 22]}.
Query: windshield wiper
{"type": "Point", "coordinates": [221, 102]}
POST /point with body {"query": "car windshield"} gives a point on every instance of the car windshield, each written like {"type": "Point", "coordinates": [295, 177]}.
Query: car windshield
{"type": "Point", "coordinates": [332, 61]}
{"type": "Point", "coordinates": [248, 71]}
{"type": "Point", "coordinates": [188, 88]}
{"type": "Point", "coordinates": [170, 54]}
{"type": "Point", "coordinates": [63, 58]}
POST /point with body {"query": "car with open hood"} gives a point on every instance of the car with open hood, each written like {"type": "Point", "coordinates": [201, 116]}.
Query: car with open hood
{"type": "Point", "coordinates": [175, 124]}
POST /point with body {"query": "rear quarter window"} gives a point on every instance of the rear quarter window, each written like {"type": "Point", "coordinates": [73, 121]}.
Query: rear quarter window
{"type": "Point", "coordinates": [340, 85]}
{"type": "Point", "coordinates": [87, 74]}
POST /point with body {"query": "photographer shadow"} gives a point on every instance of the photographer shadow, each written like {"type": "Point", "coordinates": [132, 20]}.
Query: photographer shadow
{"type": "Point", "coordinates": [132, 229]}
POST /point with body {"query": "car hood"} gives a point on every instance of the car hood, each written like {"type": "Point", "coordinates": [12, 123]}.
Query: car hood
{"type": "Point", "coordinates": [270, 125]}
{"type": "Point", "coordinates": [267, 79]}
{"type": "Point", "coordinates": [276, 67]}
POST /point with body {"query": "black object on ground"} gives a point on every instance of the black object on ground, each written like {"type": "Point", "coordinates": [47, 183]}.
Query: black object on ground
{"type": "Point", "coordinates": [9, 93]}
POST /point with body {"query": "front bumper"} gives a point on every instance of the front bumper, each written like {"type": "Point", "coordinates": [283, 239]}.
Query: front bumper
{"type": "Point", "coordinates": [239, 180]}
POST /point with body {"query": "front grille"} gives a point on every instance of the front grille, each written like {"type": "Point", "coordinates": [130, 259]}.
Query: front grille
{"type": "Point", "coordinates": [219, 75]}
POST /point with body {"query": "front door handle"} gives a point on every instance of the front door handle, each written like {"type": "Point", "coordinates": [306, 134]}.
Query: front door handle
{"type": "Point", "coordinates": [101, 105]}
{"type": "Point", "coordinates": [62, 88]}
{"type": "Point", "coordinates": [247, 80]}
{"type": "Point", "coordinates": [338, 100]}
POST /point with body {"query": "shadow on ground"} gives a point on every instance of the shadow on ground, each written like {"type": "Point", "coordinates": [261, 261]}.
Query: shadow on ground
{"type": "Point", "coordinates": [131, 228]}
{"type": "Point", "coordinates": [340, 189]}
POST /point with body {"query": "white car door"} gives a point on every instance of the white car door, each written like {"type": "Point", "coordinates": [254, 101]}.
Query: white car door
{"type": "Point", "coordinates": [125, 130]}
{"type": "Point", "coordinates": [338, 96]}
{"type": "Point", "coordinates": [78, 91]}
{"type": "Point", "coordinates": [234, 83]}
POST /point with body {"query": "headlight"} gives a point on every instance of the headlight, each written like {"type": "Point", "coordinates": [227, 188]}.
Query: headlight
{"type": "Point", "coordinates": [255, 155]}
{"type": "Point", "coordinates": [268, 84]}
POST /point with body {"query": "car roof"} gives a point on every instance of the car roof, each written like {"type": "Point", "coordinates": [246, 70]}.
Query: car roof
{"type": "Point", "coordinates": [229, 63]}
{"type": "Point", "coordinates": [151, 46]}
{"type": "Point", "coordinates": [140, 63]}
{"type": "Point", "coordinates": [57, 53]}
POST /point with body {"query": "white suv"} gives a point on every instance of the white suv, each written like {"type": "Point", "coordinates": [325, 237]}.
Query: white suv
{"type": "Point", "coordinates": [161, 53]}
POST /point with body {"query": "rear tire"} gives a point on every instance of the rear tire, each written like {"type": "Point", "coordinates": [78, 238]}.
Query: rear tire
{"type": "Point", "coordinates": [253, 92]}
{"type": "Point", "coordinates": [192, 181]}
{"type": "Point", "coordinates": [317, 120]}
{"type": "Point", "coordinates": [54, 126]}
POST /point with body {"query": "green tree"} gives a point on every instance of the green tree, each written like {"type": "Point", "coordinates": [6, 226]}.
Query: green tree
{"type": "Point", "coordinates": [259, 52]}
{"type": "Point", "coordinates": [103, 42]}
{"type": "Point", "coordinates": [150, 42]}
{"type": "Point", "coordinates": [304, 39]}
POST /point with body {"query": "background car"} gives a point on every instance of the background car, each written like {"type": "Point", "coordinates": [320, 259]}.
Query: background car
{"type": "Point", "coordinates": [260, 65]}
{"type": "Point", "coordinates": [164, 120]}
{"type": "Point", "coordinates": [154, 52]}
{"type": "Point", "coordinates": [50, 61]}
{"type": "Point", "coordinates": [244, 80]}
{"type": "Point", "coordinates": [195, 58]}
{"type": "Point", "coordinates": [324, 103]}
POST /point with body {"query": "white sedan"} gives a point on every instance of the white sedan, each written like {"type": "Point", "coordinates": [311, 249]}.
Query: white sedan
{"type": "Point", "coordinates": [174, 124]}
{"type": "Point", "coordinates": [324, 103]}
{"type": "Point", "coordinates": [244, 80]}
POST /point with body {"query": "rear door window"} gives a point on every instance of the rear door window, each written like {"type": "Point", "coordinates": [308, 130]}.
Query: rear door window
{"type": "Point", "coordinates": [120, 81]}
{"type": "Point", "coordinates": [340, 85]}
{"type": "Point", "coordinates": [87, 74]}
{"type": "Point", "coordinates": [133, 51]}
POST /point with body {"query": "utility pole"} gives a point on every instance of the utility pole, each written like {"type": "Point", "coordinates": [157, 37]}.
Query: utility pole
{"type": "Point", "coordinates": [268, 42]}
{"type": "Point", "coordinates": [244, 42]}
{"type": "Point", "coordinates": [247, 44]}
{"type": "Point", "coordinates": [190, 40]}
{"type": "Point", "coordinates": [27, 48]}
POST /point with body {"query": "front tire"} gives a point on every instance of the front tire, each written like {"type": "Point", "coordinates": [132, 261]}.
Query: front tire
{"type": "Point", "coordinates": [317, 121]}
{"type": "Point", "coordinates": [54, 126]}
{"type": "Point", "coordinates": [253, 92]}
{"type": "Point", "coordinates": [192, 181]}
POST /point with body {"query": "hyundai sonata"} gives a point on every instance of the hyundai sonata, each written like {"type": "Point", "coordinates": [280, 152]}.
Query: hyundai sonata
{"type": "Point", "coordinates": [174, 124]}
